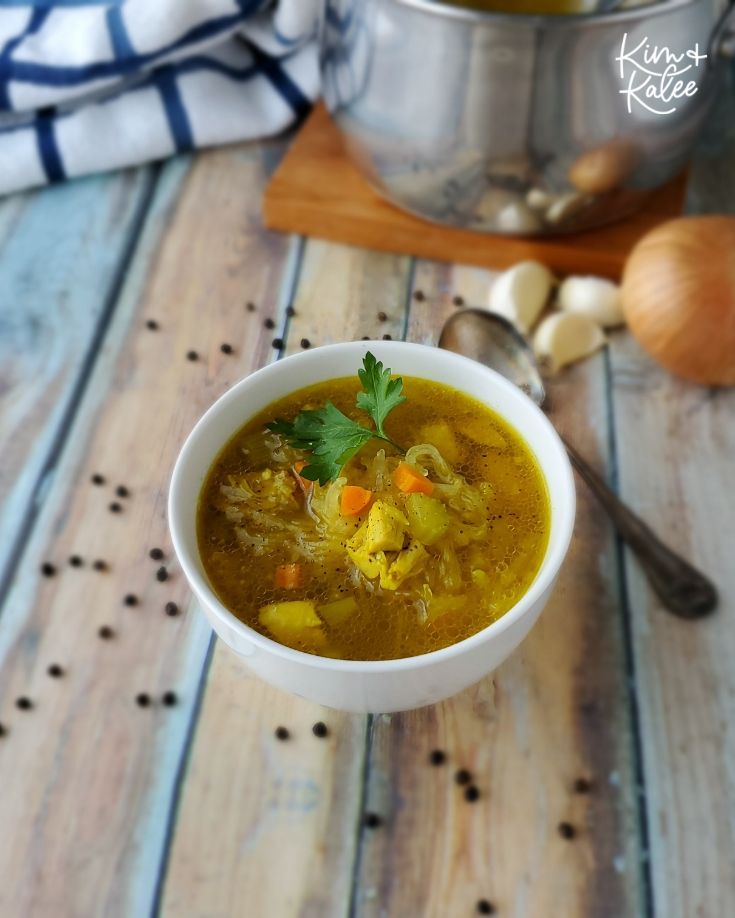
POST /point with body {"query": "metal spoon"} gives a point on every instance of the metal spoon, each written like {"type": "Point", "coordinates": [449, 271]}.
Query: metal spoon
{"type": "Point", "coordinates": [492, 340]}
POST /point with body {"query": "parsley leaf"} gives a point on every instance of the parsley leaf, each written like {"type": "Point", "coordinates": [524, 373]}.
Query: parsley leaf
{"type": "Point", "coordinates": [381, 393]}
{"type": "Point", "coordinates": [330, 436]}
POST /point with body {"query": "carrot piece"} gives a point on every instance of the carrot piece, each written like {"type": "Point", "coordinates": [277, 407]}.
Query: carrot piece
{"type": "Point", "coordinates": [354, 500]}
{"type": "Point", "coordinates": [288, 576]}
{"type": "Point", "coordinates": [407, 479]}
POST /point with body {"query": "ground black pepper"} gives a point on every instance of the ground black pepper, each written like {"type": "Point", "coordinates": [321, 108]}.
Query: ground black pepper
{"type": "Point", "coordinates": [75, 561]}
{"type": "Point", "coordinates": [131, 599]}
{"type": "Point", "coordinates": [156, 554]}
{"type": "Point", "coordinates": [100, 565]}
{"type": "Point", "coordinates": [269, 323]}
{"type": "Point", "coordinates": [161, 574]}
{"type": "Point", "coordinates": [566, 830]}
{"type": "Point", "coordinates": [226, 348]}
{"type": "Point", "coordinates": [169, 699]}
{"type": "Point", "coordinates": [320, 729]}
{"type": "Point", "coordinates": [171, 608]}
{"type": "Point", "coordinates": [114, 507]}
{"type": "Point", "coordinates": [152, 325]}
{"type": "Point", "coordinates": [48, 570]}
{"type": "Point", "coordinates": [462, 776]}
{"type": "Point", "coordinates": [55, 671]}
{"type": "Point", "coordinates": [437, 757]}
{"type": "Point", "coordinates": [106, 633]}
{"type": "Point", "coordinates": [471, 793]}
{"type": "Point", "coordinates": [484, 907]}
{"type": "Point", "coordinates": [281, 733]}
{"type": "Point", "coordinates": [23, 703]}
{"type": "Point", "coordinates": [143, 700]}
{"type": "Point", "coordinates": [372, 820]}
{"type": "Point", "coordinates": [97, 479]}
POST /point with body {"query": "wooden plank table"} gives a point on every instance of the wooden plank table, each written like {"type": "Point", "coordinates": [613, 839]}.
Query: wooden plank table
{"type": "Point", "coordinates": [613, 716]}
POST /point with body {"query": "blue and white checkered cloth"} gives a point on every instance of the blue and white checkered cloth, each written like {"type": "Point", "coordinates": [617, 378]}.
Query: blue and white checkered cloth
{"type": "Point", "coordinates": [92, 85]}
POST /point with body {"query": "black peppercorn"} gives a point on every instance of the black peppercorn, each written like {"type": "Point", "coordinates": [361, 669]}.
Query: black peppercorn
{"type": "Point", "coordinates": [582, 786]}
{"type": "Point", "coordinates": [75, 561]}
{"type": "Point", "coordinates": [566, 830]}
{"type": "Point", "coordinates": [281, 733]}
{"type": "Point", "coordinates": [485, 908]}
{"type": "Point", "coordinates": [131, 600]}
{"type": "Point", "coordinates": [156, 554]}
{"type": "Point", "coordinates": [471, 793]}
{"type": "Point", "coordinates": [226, 348]}
{"type": "Point", "coordinates": [372, 820]}
{"type": "Point", "coordinates": [192, 356]}
{"type": "Point", "coordinates": [55, 671]}
{"type": "Point", "coordinates": [100, 565]}
{"type": "Point", "coordinates": [171, 608]}
{"type": "Point", "coordinates": [365, 338]}
{"type": "Point", "coordinates": [169, 699]}
{"type": "Point", "coordinates": [305, 343]}
{"type": "Point", "coordinates": [24, 704]}
{"type": "Point", "coordinates": [251, 307]}
{"type": "Point", "coordinates": [143, 700]}
{"type": "Point", "coordinates": [98, 479]}
{"type": "Point", "coordinates": [387, 337]}
{"type": "Point", "coordinates": [161, 574]}
{"type": "Point", "coordinates": [3, 730]}
{"type": "Point", "coordinates": [462, 776]}
{"type": "Point", "coordinates": [277, 344]}
{"type": "Point", "coordinates": [290, 312]}
{"type": "Point", "coordinates": [320, 729]}
{"type": "Point", "coordinates": [122, 491]}
{"type": "Point", "coordinates": [48, 570]}
{"type": "Point", "coordinates": [458, 300]}
{"type": "Point", "coordinates": [437, 757]}
{"type": "Point", "coordinates": [114, 507]}
{"type": "Point", "coordinates": [106, 633]}
{"type": "Point", "coordinates": [269, 323]}
{"type": "Point", "coordinates": [418, 295]}
{"type": "Point", "coordinates": [152, 325]}
{"type": "Point", "coordinates": [382, 316]}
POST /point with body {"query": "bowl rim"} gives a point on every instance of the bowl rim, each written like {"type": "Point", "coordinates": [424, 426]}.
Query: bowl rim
{"type": "Point", "coordinates": [550, 566]}
{"type": "Point", "coordinates": [562, 20]}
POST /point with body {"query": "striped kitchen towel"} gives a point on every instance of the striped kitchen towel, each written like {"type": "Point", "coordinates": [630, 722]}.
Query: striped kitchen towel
{"type": "Point", "coordinates": [91, 85]}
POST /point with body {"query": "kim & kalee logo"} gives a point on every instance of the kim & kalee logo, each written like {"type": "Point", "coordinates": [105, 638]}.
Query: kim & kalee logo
{"type": "Point", "coordinates": [656, 78]}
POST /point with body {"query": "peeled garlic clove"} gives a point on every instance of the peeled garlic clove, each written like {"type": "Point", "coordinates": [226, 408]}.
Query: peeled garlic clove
{"type": "Point", "coordinates": [595, 297]}
{"type": "Point", "coordinates": [538, 199]}
{"type": "Point", "coordinates": [517, 218]}
{"type": "Point", "coordinates": [565, 337]}
{"type": "Point", "coordinates": [521, 292]}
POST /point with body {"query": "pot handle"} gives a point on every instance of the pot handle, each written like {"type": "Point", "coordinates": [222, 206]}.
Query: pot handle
{"type": "Point", "coordinates": [723, 36]}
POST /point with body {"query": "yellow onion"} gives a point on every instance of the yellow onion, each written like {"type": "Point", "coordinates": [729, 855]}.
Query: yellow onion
{"type": "Point", "coordinates": [678, 296]}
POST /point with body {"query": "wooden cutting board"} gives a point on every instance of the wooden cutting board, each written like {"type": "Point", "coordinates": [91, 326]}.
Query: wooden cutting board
{"type": "Point", "coordinates": [317, 191]}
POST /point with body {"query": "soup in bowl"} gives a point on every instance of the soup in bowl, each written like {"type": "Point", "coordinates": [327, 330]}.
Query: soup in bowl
{"type": "Point", "coordinates": [372, 525]}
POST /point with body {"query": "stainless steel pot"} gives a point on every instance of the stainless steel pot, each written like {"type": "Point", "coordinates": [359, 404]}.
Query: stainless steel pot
{"type": "Point", "coordinates": [530, 125]}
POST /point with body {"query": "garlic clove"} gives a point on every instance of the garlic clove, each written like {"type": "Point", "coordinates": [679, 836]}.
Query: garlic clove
{"type": "Point", "coordinates": [517, 218]}
{"type": "Point", "coordinates": [538, 199]}
{"type": "Point", "coordinates": [595, 297]}
{"type": "Point", "coordinates": [520, 293]}
{"type": "Point", "coordinates": [567, 206]}
{"type": "Point", "coordinates": [564, 337]}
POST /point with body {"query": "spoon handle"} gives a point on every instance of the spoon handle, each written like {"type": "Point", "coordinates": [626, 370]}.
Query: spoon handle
{"type": "Point", "coordinates": [681, 588]}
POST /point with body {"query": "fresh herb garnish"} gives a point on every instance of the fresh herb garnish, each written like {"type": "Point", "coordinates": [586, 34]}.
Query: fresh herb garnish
{"type": "Point", "coordinates": [330, 436]}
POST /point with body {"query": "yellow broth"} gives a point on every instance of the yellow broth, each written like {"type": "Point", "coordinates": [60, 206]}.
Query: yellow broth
{"type": "Point", "coordinates": [252, 518]}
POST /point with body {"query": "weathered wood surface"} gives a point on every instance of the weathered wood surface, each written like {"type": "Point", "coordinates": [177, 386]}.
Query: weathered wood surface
{"type": "Point", "coordinates": [61, 254]}
{"type": "Point", "coordinates": [552, 718]}
{"type": "Point", "coordinates": [281, 836]}
{"type": "Point", "coordinates": [112, 809]}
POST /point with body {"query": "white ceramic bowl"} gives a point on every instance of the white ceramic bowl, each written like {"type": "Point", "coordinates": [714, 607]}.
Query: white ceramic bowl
{"type": "Point", "coordinates": [388, 685]}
